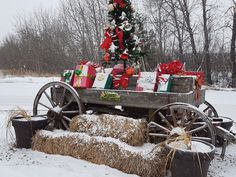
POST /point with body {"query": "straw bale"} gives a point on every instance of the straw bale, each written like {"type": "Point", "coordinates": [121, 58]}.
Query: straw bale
{"type": "Point", "coordinates": [129, 130]}
{"type": "Point", "coordinates": [145, 161]}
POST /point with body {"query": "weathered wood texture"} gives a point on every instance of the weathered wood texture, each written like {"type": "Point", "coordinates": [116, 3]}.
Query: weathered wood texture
{"type": "Point", "coordinates": [182, 84]}
{"type": "Point", "coordinates": [150, 100]}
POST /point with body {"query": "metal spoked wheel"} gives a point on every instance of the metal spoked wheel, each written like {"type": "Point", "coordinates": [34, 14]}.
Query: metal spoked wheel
{"type": "Point", "coordinates": [59, 102]}
{"type": "Point", "coordinates": [181, 116]}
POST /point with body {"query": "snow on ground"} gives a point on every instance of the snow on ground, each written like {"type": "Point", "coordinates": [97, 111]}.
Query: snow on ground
{"type": "Point", "coordinates": [15, 91]}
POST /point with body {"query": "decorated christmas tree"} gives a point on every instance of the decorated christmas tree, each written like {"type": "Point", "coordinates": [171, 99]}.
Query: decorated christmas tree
{"type": "Point", "coordinates": [121, 43]}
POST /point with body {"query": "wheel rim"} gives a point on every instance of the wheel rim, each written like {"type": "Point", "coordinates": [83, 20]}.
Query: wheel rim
{"type": "Point", "coordinates": [59, 102]}
{"type": "Point", "coordinates": [182, 116]}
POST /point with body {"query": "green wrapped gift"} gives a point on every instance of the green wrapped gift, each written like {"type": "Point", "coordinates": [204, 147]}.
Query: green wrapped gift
{"type": "Point", "coordinates": [103, 81]}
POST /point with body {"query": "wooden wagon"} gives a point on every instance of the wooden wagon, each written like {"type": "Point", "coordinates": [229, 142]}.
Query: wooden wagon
{"type": "Point", "coordinates": [165, 111]}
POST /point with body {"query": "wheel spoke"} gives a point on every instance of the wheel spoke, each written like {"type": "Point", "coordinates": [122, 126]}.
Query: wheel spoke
{"type": "Point", "coordinates": [158, 135]}
{"type": "Point", "coordinates": [65, 106]}
{"type": "Point", "coordinates": [66, 118]}
{"type": "Point", "coordinates": [45, 106]}
{"type": "Point", "coordinates": [65, 124]}
{"type": "Point", "coordinates": [49, 99]}
{"type": "Point", "coordinates": [160, 126]}
{"type": "Point", "coordinates": [206, 109]}
{"type": "Point", "coordinates": [199, 128]}
{"type": "Point", "coordinates": [188, 127]}
{"type": "Point", "coordinates": [71, 112]}
{"type": "Point", "coordinates": [165, 120]}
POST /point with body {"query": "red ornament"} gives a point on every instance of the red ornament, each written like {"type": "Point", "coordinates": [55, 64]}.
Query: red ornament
{"type": "Point", "coordinates": [124, 56]}
{"type": "Point", "coordinates": [107, 57]}
{"type": "Point", "coordinates": [129, 71]}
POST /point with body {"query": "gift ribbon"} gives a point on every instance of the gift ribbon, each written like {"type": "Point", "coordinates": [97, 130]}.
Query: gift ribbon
{"type": "Point", "coordinates": [173, 67]}
{"type": "Point", "coordinates": [107, 42]}
{"type": "Point", "coordinates": [67, 75]}
{"type": "Point", "coordinates": [122, 81]}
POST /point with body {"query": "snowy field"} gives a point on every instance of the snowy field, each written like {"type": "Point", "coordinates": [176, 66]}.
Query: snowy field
{"type": "Point", "coordinates": [27, 163]}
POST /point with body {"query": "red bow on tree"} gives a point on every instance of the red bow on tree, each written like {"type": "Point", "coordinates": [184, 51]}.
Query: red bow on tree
{"type": "Point", "coordinates": [120, 2]}
{"type": "Point", "coordinates": [120, 35]}
{"type": "Point", "coordinates": [107, 42]}
{"type": "Point", "coordinates": [122, 81]}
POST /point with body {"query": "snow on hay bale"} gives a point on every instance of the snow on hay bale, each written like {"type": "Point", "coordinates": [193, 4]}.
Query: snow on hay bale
{"type": "Point", "coordinates": [145, 161]}
{"type": "Point", "coordinates": [131, 131]}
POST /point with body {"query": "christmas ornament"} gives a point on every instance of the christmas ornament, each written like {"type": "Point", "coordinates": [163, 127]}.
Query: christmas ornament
{"type": "Point", "coordinates": [129, 71]}
{"type": "Point", "coordinates": [124, 55]}
{"type": "Point", "coordinates": [128, 27]}
{"type": "Point", "coordinates": [107, 57]}
{"type": "Point", "coordinates": [123, 16]}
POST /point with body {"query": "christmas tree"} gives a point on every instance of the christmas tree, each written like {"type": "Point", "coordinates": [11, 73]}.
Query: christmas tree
{"type": "Point", "coordinates": [121, 41]}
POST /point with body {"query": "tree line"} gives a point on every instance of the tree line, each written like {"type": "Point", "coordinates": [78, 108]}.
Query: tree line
{"type": "Point", "coordinates": [198, 32]}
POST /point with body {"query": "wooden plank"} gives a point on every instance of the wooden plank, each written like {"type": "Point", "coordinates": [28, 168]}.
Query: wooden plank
{"type": "Point", "coordinates": [180, 84]}
{"type": "Point", "coordinates": [150, 100]}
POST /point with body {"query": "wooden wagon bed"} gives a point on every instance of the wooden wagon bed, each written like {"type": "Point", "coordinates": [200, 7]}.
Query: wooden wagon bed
{"type": "Point", "coordinates": [129, 98]}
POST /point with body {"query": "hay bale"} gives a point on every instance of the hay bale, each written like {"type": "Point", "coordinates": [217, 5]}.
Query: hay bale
{"type": "Point", "coordinates": [145, 161]}
{"type": "Point", "coordinates": [129, 130]}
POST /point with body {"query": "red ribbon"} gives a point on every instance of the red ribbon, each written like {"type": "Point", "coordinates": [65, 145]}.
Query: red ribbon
{"type": "Point", "coordinates": [120, 2]}
{"type": "Point", "coordinates": [120, 35]}
{"type": "Point", "coordinates": [173, 67]}
{"type": "Point", "coordinates": [107, 42]}
{"type": "Point", "coordinates": [122, 81]}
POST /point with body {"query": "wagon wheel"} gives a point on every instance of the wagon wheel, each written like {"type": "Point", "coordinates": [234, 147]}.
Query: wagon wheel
{"type": "Point", "coordinates": [209, 110]}
{"type": "Point", "coordinates": [171, 118]}
{"type": "Point", "coordinates": [59, 102]}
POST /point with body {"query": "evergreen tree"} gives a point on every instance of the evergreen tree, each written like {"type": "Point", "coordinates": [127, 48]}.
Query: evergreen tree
{"type": "Point", "coordinates": [121, 41]}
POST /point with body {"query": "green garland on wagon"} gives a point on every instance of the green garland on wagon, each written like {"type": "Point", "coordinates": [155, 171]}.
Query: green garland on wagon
{"type": "Point", "coordinates": [121, 43]}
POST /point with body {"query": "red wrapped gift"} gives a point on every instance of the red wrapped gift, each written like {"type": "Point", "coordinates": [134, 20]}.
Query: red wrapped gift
{"type": "Point", "coordinates": [84, 76]}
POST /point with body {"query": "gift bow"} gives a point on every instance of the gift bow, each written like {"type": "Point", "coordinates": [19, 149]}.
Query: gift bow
{"type": "Point", "coordinates": [122, 81]}
{"type": "Point", "coordinates": [173, 67]}
{"type": "Point", "coordinates": [67, 75]}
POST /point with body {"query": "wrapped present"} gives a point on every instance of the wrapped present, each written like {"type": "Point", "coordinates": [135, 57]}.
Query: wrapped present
{"type": "Point", "coordinates": [67, 76]}
{"type": "Point", "coordinates": [164, 83]}
{"type": "Point", "coordinates": [103, 81]}
{"type": "Point", "coordinates": [146, 81]}
{"type": "Point", "coordinates": [84, 76]}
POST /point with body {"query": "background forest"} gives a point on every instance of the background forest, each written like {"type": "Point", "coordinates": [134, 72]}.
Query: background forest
{"type": "Point", "coordinates": [201, 33]}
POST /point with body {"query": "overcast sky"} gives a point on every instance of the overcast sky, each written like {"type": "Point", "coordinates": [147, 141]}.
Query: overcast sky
{"type": "Point", "coordinates": [9, 9]}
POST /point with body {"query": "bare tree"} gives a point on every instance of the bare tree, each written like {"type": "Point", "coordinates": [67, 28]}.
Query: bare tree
{"type": "Point", "coordinates": [184, 6]}
{"type": "Point", "coordinates": [206, 41]}
{"type": "Point", "coordinates": [232, 48]}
